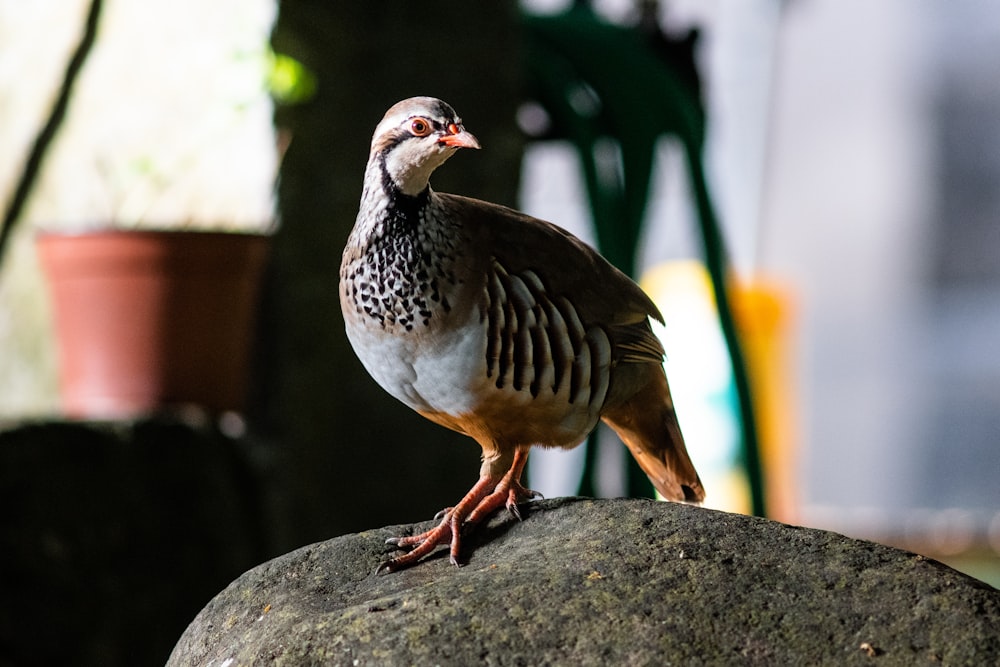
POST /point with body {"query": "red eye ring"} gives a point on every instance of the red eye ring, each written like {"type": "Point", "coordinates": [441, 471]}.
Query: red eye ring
{"type": "Point", "coordinates": [420, 127]}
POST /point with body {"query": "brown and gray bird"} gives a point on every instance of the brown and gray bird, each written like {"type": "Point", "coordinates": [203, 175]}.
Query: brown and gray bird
{"type": "Point", "coordinates": [497, 325]}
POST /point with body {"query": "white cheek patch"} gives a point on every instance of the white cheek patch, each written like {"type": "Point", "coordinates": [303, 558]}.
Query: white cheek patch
{"type": "Point", "coordinates": [411, 162]}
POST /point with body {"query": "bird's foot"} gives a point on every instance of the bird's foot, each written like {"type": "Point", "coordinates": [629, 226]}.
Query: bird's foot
{"type": "Point", "coordinates": [443, 513]}
{"type": "Point", "coordinates": [487, 496]}
{"type": "Point", "coordinates": [456, 520]}
{"type": "Point", "coordinates": [422, 544]}
{"type": "Point", "coordinates": [508, 494]}
{"type": "Point", "coordinates": [447, 532]}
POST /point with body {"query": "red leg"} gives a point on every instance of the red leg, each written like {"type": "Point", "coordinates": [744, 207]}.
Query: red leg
{"type": "Point", "coordinates": [485, 497]}
{"type": "Point", "coordinates": [447, 530]}
{"type": "Point", "coordinates": [508, 491]}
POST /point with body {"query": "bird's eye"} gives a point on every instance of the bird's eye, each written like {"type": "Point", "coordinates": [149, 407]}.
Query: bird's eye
{"type": "Point", "coordinates": [420, 127]}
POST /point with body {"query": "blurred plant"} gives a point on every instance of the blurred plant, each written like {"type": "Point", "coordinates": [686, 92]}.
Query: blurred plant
{"type": "Point", "coordinates": [288, 80]}
{"type": "Point", "coordinates": [138, 183]}
{"type": "Point", "coordinates": [171, 122]}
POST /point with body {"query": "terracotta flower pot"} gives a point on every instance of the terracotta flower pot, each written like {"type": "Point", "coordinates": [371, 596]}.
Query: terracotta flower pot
{"type": "Point", "coordinates": [146, 320]}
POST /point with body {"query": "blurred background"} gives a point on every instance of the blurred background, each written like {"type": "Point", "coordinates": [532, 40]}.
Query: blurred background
{"type": "Point", "coordinates": [852, 154]}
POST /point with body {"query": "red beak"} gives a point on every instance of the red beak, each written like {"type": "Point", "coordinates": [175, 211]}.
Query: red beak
{"type": "Point", "coordinates": [458, 138]}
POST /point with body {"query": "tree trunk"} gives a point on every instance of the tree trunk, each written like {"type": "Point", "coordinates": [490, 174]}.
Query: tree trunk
{"type": "Point", "coordinates": [352, 456]}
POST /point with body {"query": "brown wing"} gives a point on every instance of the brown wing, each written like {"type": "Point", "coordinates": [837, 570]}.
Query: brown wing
{"type": "Point", "coordinates": [602, 295]}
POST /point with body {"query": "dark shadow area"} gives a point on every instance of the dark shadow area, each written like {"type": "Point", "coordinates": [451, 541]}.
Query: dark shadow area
{"type": "Point", "coordinates": [115, 535]}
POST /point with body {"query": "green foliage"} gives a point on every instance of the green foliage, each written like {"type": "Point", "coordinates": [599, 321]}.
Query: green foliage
{"type": "Point", "coordinates": [288, 80]}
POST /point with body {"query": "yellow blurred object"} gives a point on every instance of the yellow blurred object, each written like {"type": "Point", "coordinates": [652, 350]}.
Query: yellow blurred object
{"type": "Point", "coordinates": [763, 313]}
{"type": "Point", "coordinates": [701, 379]}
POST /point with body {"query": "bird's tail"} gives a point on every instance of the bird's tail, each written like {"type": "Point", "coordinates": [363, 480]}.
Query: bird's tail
{"type": "Point", "coordinates": [646, 422]}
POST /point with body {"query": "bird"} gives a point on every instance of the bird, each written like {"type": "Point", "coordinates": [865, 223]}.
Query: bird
{"type": "Point", "coordinates": [497, 325]}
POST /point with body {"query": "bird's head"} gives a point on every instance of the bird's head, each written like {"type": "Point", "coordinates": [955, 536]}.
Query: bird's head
{"type": "Point", "coordinates": [415, 137]}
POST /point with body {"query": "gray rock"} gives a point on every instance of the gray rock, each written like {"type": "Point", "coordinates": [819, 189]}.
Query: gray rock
{"type": "Point", "coordinates": [608, 582]}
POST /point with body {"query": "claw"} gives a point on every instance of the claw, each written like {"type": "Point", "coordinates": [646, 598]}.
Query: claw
{"type": "Point", "coordinates": [525, 495]}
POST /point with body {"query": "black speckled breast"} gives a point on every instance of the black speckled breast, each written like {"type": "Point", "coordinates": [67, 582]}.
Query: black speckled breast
{"type": "Point", "coordinates": [403, 277]}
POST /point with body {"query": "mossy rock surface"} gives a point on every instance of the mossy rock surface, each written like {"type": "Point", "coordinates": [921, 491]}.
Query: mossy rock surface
{"type": "Point", "coordinates": [603, 582]}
